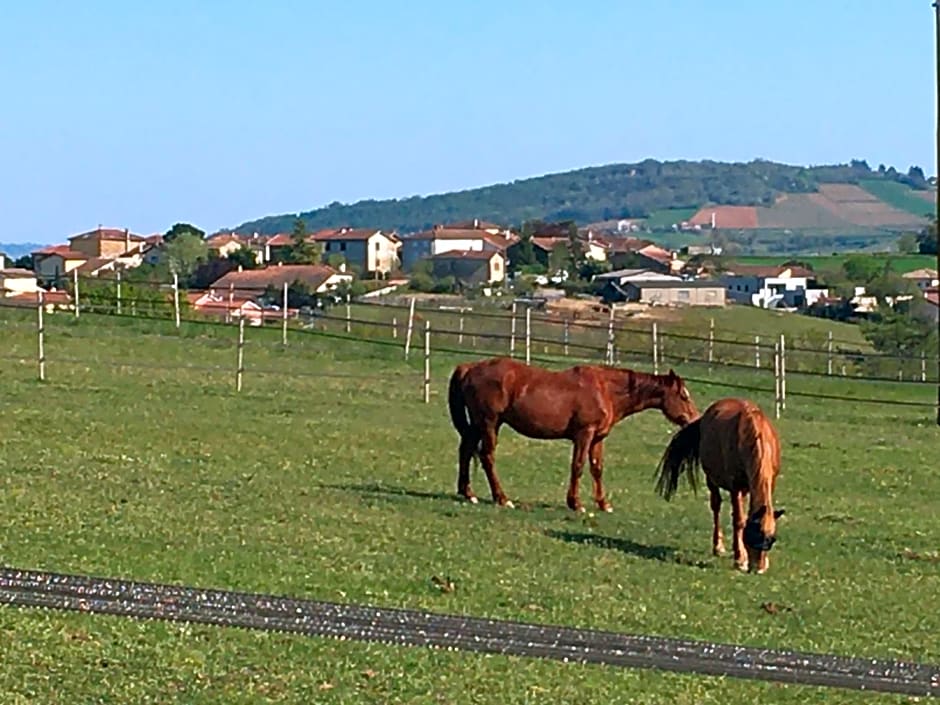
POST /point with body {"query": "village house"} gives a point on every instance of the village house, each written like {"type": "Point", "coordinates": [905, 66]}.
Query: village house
{"type": "Point", "coordinates": [932, 299]}
{"type": "Point", "coordinates": [370, 250]}
{"type": "Point", "coordinates": [543, 246]}
{"type": "Point", "coordinates": [14, 282]}
{"type": "Point", "coordinates": [420, 246]}
{"type": "Point", "coordinates": [614, 283]}
{"type": "Point", "coordinates": [631, 252]}
{"type": "Point", "coordinates": [923, 279]}
{"type": "Point", "coordinates": [785, 286]}
{"type": "Point", "coordinates": [108, 242]}
{"type": "Point", "coordinates": [252, 283]}
{"type": "Point", "coordinates": [470, 267]}
{"type": "Point", "coordinates": [53, 264]}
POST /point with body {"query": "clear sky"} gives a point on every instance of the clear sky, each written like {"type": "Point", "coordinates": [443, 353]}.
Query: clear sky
{"type": "Point", "coordinates": [139, 115]}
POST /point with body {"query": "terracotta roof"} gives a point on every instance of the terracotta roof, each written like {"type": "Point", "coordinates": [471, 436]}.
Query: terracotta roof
{"type": "Point", "coordinates": [466, 254]}
{"type": "Point", "coordinates": [656, 253]}
{"type": "Point", "coordinates": [280, 240]}
{"type": "Point", "coordinates": [621, 245]}
{"type": "Point", "coordinates": [62, 250]}
{"type": "Point", "coordinates": [474, 224]}
{"type": "Point", "coordinates": [107, 234]}
{"type": "Point", "coordinates": [921, 274]}
{"type": "Point", "coordinates": [95, 264]}
{"type": "Point", "coordinates": [313, 275]}
{"type": "Point", "coordinates": [223, 239]}
{"type": "Point", "coordinates": [32, 298]}
{"type": "Point", "coordinates": [17, 273]}
{"type": "Point", "coordinates": [933, 295]}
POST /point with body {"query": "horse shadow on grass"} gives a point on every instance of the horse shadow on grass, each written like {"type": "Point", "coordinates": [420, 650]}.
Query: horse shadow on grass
{"type": "Point", "coordinates": [392, 492]}
{"type": "Point", "coordinates": [664, 554]}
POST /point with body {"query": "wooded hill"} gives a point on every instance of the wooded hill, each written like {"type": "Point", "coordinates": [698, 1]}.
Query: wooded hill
{"type": "Point", "coordinates": [774, 195]}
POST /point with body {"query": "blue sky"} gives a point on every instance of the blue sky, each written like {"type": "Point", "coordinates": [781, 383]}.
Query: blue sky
{"type": "Point", "coordinates": [143, 114]}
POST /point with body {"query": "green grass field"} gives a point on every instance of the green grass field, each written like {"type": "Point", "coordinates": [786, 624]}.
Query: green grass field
{"type": "Point", "coordinates": [898, 195]}
{"type": "Point", "coordinates": [328, 477]}
{"type": "Point", "coordinates": [667, 217]}
{"type": "Point", "coordinates": [898, 263]}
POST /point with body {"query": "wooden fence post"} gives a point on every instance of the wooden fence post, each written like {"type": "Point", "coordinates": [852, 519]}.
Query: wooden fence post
{"type": "Point", "coordinates": [512, 332]}
{"type": "Point", "coordinates": [565, 337]}
{"type": "Point", "coordinates": [528, 334]}
{"type": "Point", "coordinates": [348, 315]}
{"type": "Point", "coordinates": [610, 337]}
{"type": "Point", "coordinates": [829, 354]}
{"type": "Point", "coordinates": [394, 326]}
{"type": "Point", "coordinates": [923, 366]}
{"type": "Point", "coordinates": [757, 351]}
{"type": "Point", "coordinates": [460, 334]}
{"type": "Point", "coordinates": [118, 291]}
{"type": "Point", "coordinates": [783, 373]}
{"type": "Point", "coordinates": [41, 332]}
{"type": "Point", "coordinates": [411, 325]}
{"type": "Point", "coordinates": [427, 362]}
{"type": "Point", "coordinates": [284, 315]}
{"type": "Point", "coordinates": [75, 289]}
{"type": "Point", "coordinates": [777, 380]}
{"type": "Point", "coordinates": [176, 299]}
{"type": "Point", "coordinates": [240, 359]}
{"type": "Point", "coordinates": [655, 349]}
{"type": "Point", "coordinates": [711, 343]}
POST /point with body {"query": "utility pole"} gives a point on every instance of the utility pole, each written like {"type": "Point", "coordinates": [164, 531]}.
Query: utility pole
{"type": "Point", "coordinates": [936, 9]}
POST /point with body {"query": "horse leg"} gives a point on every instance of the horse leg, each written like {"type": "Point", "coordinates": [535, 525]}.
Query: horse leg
{"type": "Point", "coordinates": [738, 519]}
{"type": "Point", "coordinates": [597, 472]}
{"type": "Point", "coordinates": [488, 460]}
{"type": "Point", "coordinates": [718, 539]}
{"type": "Point", "coordinates": [578, 457]}
{"type": "Point", "coordinates": [468, 448]}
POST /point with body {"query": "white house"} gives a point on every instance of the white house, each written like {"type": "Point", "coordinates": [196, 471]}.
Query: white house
{"type": "Point", "coordinates": [14, 282]}
{"type": "Point", "coordinates": [772, 287]}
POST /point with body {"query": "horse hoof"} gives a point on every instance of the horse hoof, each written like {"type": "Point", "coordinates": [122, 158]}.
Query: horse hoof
{"type": "Point", "coordinates": [718, 551]}
{"type": "Point", "coordinates": [743, 567]}
{"type": "Point", "coordinates": [473, 500]}
{"type": "Point", "coordinates": [609, 509]}
{"type": "Point", "coordinates": [509, 505]}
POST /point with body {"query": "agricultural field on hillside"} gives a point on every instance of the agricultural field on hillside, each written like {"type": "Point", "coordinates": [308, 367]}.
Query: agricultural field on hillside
{"type": "Point", "coordinates": [901, 196]}
{"type": "Point", "coordinates": [897, 263]}
{"type": "Point", "coordinates": [668, 217]}
{"type": "Point", "coordinates": [328, 477]}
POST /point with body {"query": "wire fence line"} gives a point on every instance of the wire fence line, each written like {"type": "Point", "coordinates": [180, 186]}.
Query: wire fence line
{"type": "Point", "coordinates": [416, 342]}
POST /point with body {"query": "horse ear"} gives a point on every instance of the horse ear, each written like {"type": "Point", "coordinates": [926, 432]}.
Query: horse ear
{"type": "Point", "coordinates": [673, 377]}
{"type": "Point", "coordinates": [779, 513]}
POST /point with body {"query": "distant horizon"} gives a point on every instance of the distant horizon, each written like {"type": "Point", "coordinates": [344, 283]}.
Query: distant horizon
{"type": "Point", "coordinates": [230, 226]}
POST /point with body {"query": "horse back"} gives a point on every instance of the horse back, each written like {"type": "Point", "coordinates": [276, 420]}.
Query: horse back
{"type": "Point", "coordinates": [740, 444]}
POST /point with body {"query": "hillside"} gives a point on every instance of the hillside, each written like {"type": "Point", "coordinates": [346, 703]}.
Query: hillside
{"type": "Point", "coordinates": [761, 195]}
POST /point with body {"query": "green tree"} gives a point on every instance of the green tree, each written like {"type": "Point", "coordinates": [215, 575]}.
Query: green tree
{"type": "Point", "coordinates": [524, 252]}
{"type": "Point", "coordinates": [302, 251]}
{"type": "Point", "coordinates": [927, 240]}
{"type": "Point", "coordinates": [559, 259]}
{"type": "Point", "coordinates": [183, 229]}
{"type": "Point", "coordinates": [575, 248]}
{"type": "Point", "coordinates": [184, 253]}
{"type": "Point", "coordinates": [244, 257]}
{"type": "Point", "coordinates": [907, 244]}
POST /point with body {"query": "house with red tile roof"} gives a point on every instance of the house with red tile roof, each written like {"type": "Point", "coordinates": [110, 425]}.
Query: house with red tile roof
{"type": "Point", "coordinates": [54, 264]}
{"type": "Point", "coordinates": [251, 283]}
{"type": "Point", "coordinates": [470, 267]}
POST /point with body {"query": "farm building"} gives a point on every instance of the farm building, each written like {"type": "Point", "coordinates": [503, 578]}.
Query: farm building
{"type": "Point", "coordinates": [470, 267]}
{"type": "Point", "coordinates": [666, 292]}
{"type": "Point", "coordinates": [773, 287]}
{"type": "Point", "coordinates": [613, 283]}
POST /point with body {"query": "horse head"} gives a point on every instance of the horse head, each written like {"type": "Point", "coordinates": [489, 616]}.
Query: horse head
{"type": "Point", "coordinates": [760, 535]}
{"type": "Point", "coordinates": [678, 406]}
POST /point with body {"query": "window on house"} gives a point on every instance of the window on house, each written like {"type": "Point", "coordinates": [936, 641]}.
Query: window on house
{"type": "Point", "coordinates": [342, 247]}
{"type": "Point", "coordinates": [378, 247]}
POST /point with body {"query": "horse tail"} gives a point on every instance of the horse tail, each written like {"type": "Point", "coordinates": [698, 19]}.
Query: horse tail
{"type": "Point", "coordinates": [456, 402]}
{"type": "Point", "coordinates": [681, 456]}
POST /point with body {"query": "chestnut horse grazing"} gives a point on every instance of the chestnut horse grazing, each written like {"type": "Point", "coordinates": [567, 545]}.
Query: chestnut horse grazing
{"type": "Point", "coordinates": [738, 448]}
{"type": "Point", "coordinates": [581, 404]}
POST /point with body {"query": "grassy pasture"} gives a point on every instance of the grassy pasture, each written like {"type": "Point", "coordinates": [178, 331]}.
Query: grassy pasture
{"type": "Point", "coordinates": [898, 263]}
{"type": "Point", "coordinates": [327, 477]}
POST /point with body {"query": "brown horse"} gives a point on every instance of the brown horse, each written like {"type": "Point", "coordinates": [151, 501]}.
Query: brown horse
{"type": "Point", "coordinates": [739, 450]}
{"type": "Point", "coordinates": [580, 404]}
